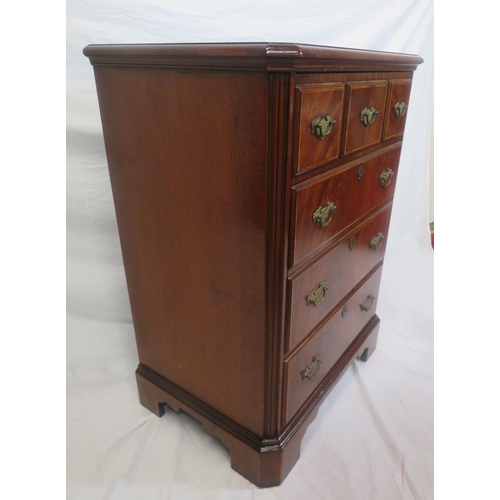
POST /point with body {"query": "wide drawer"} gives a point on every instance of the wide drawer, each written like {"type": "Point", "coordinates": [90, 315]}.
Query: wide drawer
{"type": "Point", "coordinates": [317, 290]}
{"type": "Point", "coordinates": [397, 104]}
{"type": "Point", "coordinates": [365, 114]}
{"type": "Point", "coordinates": [308, 366]}
{"type": "Point", "coordinates": [326, 205]}
{"type": "Point", "coordinates": [318, 121]}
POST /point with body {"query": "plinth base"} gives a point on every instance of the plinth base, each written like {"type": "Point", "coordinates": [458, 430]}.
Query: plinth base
{"type": "Point", "coordinates": [264, 462]}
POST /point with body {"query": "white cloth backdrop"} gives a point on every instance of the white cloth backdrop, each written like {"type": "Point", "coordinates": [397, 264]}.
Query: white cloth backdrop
{"type": "Point", "coordinates": [373, 438]}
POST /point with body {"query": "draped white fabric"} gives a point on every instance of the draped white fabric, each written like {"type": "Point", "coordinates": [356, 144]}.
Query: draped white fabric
{"type": "Point", "coordinates": [373, 437]}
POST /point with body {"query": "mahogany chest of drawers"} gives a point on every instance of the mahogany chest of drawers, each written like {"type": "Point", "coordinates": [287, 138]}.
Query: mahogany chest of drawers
{"type": "Point", "coordinates": [253, 186]}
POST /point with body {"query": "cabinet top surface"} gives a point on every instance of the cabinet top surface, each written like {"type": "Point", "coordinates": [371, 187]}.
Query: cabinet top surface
{"type": "Point", "coordinates": [271, 56]}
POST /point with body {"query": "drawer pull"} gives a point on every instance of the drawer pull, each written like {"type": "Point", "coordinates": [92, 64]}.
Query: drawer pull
{"type": "Point", "coordinates": [400, 109]}
{"type": "Point", "coordinates": [317, 296]}
{"type": "Point", "coordinates": [361, 172]}
{"type": "Point", "coordinates": [368, 116]}
{"type": "Point", "coordinates": [367, 303]}
{"type": "Point", "coordinates": [376, 241]}
{"type": "Point", "coordinates": [385, 177]}
{"type": "Point", "coordinates": [322, 126]}
{"type": "Point", "coordinates": [352, 243]}
{"type": "Point", "coordinates": [312, 368]}
{"type": "Point", "coordinates": [323, 216]}
{"type": "Point", "coordinates": [344, 311]}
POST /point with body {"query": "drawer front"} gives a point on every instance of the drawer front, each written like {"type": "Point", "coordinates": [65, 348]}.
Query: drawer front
{"type": "Point", "coordinates": [325, 206]}
{"type": "Point", "coordinates": [317, 124]}
{"type": "Point", "coordinates": [305, 369]}
{"type": "Point", "coordinates": [318, 289]}
{"type": "Point", "coordinates": [365, 114]}
{"type": "Point", "coordinates": [397, 104]}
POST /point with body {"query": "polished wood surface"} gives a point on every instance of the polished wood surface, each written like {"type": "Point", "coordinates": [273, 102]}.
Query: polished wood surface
{"type": "Point", "coordinates": [341, 268]}
{"type": "Point", "coordinates": [190, 200]}
{"type": "Point", "coordinates": [328, 344]}
{"type": "Point", "coordinates": [216, 172]}
{"type": "Point", "coordinates": [284, 57]}
{"type": "Point", "coordinates": [399, 91]}
{"type": "Point", "coordinates": [360, 96]}
{"type": "Point", "coordinates": [352, 198]}
{"type": "Point", "coordinates": [325, 79]}
{"type": "Point", "coordinates": [264, 462]}
{"type": "Point", "coordinates": [313, 102]}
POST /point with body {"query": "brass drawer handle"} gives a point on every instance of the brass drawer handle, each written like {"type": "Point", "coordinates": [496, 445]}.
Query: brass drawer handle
{"type": "Point", "coordinates": [361, 172]}
{"type": "Point", "coordinates": [376, 241]}
{"type": "Point", "coordinates": [368, 116]}
{"type": "Point", "coordinates": [385, 177]}
{"type": "Point", "coordinates": [322, 126]}
{"type": "Point", "coordinates": [317, 296]}
{"type": "Point", "coordinates": [323, 216]}
{"type": "Point", "coordinates": [400, 109]}
{"type": "Point", "coordinates": [352, 243]}
{"type": "Point", "coordinates": [367, 303]}
{"type": "Point", "coordinates": [312, 368]}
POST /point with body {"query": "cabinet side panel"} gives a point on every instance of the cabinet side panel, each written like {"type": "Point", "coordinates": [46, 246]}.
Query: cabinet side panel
{"type": "Point", "coordinates": [187, 157]}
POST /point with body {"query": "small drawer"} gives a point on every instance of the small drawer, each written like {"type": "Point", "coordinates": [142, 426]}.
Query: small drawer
{"type": "Point", "coordinates": [397, 104]}
{"type": "Point", "coordinates": [318, 289]}
{"type": "Point", "coordinates": [365, 114]}
{"type": "Point", "coordinates": [326, 205]}
{"type": "Point", "coordinates": [318, 121]}
{"type": "Point", "coordinates": [305, 369]}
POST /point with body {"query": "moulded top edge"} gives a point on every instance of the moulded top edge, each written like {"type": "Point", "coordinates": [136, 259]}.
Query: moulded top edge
{"type": "Point", "coordinates": [265, 51]}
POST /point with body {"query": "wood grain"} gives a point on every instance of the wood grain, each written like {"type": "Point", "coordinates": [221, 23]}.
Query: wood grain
{"type": "Point", "coordinates": [283, 57]}
{"type": "Point", "coordinates": [190, 198]}
{"type": "Point", "coordinates": [264, 462]}
{"type": "Point", "coordinates": [215, 176]}
{"type": "Point", "coordinates": [361, 95]}
{"type": "Point", "coordinates": [341, 268]}
{"type": "Point", "coordinates": [328, 343]}
{"type": "Point", "coordinates": [352, 198]}
{"type": "Point", "coordinates": [317, 101]}
{"type": "Point", "coordinates": [399, 91]}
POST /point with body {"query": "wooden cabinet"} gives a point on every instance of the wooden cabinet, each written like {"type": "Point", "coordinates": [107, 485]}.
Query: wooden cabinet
{"type": "Point", "coordinates": [253, 186]}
